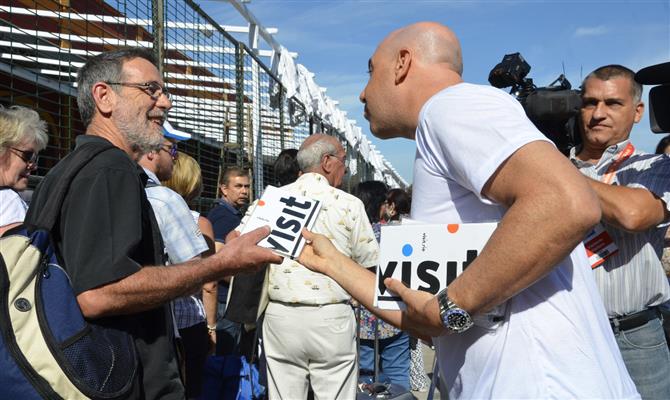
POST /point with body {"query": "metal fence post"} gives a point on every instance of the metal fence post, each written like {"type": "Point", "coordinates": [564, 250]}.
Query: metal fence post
{"type": "Point", "coordinates": [239, 99]}
{"type": "Point", "coordinates": [158, 24]}
{"type": "Point", "coordinates": [282, 131]}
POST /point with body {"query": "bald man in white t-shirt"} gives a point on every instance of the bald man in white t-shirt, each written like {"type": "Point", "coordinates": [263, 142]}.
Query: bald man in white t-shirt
{"type": "Point", "coordinates": [525, 319]}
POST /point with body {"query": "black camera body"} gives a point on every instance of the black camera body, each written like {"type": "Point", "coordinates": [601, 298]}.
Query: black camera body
{"type": "Point", "coordinates": [659, 96]}
{"type": "Point", "coordinates": [553, 109]}
{"type": "Point", "coordinates": [659, 109]}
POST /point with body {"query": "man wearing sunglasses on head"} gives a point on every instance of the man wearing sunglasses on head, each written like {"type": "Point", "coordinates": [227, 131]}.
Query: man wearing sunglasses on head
{"type": "Point", "coordinates": [107, 236]}
{"type": "Point", "coordinates": [158, 163]}
{"type": "Point", "coordinates": [183, 242]}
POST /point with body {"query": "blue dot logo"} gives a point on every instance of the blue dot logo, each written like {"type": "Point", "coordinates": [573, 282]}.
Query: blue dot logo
{"type": "Point", "coordinates": [407, 250]}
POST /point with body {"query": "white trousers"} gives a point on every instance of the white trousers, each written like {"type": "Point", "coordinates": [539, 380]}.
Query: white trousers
{"type": "Point", "coordinates": [310, 345]}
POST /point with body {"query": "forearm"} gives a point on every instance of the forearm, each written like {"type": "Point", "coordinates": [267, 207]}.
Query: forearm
{"type": "Point", "coordinates": [550, 207]}
{"type": "Point", "coordinates": [209, 299]}
{"type": "Point", "coordinates": [148, 288]}
{"type": "Point", "coordinates": [152, 286]}
{"type": "Point", "coordinates": [517, 255]}
{"type": "Point", "coordinates": [218, 247]}
{"type": "Point", "coordinates": [630, 209]}
{"type": "Point", "coordinates": [360, 284]}
{"type": "Point", "coordinates": [512, 260]}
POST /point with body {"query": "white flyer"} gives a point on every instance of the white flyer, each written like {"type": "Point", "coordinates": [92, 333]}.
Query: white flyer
{"type": "Point", "coordinates": [426, 256]}
{"type": "Point", "coordinates": [286, 213]}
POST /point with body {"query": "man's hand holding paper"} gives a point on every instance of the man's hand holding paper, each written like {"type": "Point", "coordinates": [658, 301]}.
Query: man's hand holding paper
{"type": "Point", "coordinates": [320, 255]}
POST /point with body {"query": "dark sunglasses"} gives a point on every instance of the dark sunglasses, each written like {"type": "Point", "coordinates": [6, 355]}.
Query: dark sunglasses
{"type": "Point", "coordinates": [28, 156]}
{"type": "Point", "coordinates": [172, 151]}
{"type": "Point", "coordinates": [153, 88]}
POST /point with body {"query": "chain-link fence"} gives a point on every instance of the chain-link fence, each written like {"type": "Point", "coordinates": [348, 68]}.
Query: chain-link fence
{"type": "Point", "coordinates": [223, 94]}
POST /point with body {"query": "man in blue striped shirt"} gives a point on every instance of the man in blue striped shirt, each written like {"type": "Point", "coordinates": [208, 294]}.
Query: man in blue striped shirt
{"type": "Point", "coordinates": [183, 242]}
{"type": "Point", "coordinates": [625, 248]}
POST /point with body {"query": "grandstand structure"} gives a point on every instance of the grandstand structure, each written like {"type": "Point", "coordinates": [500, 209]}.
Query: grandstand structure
{"type": "Point", "coordinates": [240, 105]}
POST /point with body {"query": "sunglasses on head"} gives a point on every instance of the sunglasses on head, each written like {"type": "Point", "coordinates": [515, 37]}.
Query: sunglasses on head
{"type": "Point", "coordinates": [172, 151]}
{"type": "Point", "coordinates": [28, 156]}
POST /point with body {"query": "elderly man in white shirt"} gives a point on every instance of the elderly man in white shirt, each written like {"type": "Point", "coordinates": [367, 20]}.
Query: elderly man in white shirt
{"type": "Point", "coordinates": [309, 332]}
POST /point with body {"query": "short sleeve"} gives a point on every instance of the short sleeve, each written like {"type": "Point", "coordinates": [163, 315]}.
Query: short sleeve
{"type": "Point", "coordinates": [12, 207]}
{"type": "Point", "coordinates": [364, 246]}
{"type": "Point", "coordinates": [655, 178]}
{"type": "Point", "coordinates": [181, 235]}
{"type": "Point", "coordinates": [223, 222]}
{"type": "Point", "coordinates": [101, 226]}
{"type": "Point", "coordinates": [472, 131]}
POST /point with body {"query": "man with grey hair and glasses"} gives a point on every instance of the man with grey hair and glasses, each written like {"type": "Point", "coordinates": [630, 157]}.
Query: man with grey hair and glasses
{"type": "Point", "coordinates": [107, 236]}
{"type": "Point", "coordinates": [309, 331]}
{"type": "Point", "coordinates": [625, 248]}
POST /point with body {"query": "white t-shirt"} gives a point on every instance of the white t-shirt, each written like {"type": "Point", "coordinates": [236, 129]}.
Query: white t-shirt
{"type": "Point", "coordinates": [12, 207]}
{"type": "Point", "coordinates": [555, 340]}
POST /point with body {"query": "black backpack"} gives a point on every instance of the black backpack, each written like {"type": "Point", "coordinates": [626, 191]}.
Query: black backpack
{"type": "Point", "coordinates": [47, 349]}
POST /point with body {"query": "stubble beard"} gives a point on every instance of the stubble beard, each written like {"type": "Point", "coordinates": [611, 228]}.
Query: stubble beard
{"type": "Point", "coordinates": [139, 134]}
{"type": "Point", "coordinates": [165, 173]}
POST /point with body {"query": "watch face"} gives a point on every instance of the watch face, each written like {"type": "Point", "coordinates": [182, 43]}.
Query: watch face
{"type": "Point", "coordinates": [458, 320]}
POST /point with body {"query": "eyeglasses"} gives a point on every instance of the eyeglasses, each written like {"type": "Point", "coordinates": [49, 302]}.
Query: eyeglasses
{"type": "Point", "coordinates": [172, 150]}
{"type": "Point", "coordinates": [28, 156]}
{"type": "Point", "coordinates": [153, 88]}
{"type": "Point", "coordinates": [343, 160]}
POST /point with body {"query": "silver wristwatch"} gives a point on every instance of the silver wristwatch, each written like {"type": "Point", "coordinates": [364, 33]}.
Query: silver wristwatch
{"type": "Point", "coordinates": [454, 318]}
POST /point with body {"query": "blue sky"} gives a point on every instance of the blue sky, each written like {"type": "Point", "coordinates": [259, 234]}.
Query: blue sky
{"type": "Point", "coordinates": [334, 39]}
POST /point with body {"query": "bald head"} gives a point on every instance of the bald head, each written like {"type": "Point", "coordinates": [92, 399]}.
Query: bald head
{"type": "Point", "coordinates": [432, 43]}
{"type": "Point", "coordinates": [409, 66]}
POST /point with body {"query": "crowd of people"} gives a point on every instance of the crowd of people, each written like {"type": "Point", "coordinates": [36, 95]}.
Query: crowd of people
{"type": "Point", "coordinates": [565, 301]}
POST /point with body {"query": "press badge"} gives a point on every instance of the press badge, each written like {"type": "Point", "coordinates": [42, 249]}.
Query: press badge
{"type": "Point", "coordinates": [599, 245]}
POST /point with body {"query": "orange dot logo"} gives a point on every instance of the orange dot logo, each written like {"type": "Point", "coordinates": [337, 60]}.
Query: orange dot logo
{"type": "Point", "coordinates": [452, 228]}
{"type": "Point", "coordinates": [261, 203]}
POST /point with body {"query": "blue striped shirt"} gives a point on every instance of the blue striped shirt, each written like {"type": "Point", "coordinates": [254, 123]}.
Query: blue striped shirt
{"type": "Point", "coordinates": [633, 279]}
{"type": "Point", "coordinates": [183, 241]}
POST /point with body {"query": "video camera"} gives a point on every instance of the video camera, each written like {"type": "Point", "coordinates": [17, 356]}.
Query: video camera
{"type": "Point", "coordinates": [659, 96]}
{"type": "Point", "coordinates": [553, 109]}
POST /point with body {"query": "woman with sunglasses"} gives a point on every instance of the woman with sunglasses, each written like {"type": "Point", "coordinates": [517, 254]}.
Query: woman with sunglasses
{"type": "Point", "coordinates": [22, 136]}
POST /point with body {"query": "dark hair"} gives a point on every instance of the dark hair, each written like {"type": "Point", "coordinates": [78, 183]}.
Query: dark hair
{"type": "Point", "coordinates": [105, 67]}
{"type": "Point", "coordinates": [401, 200]}
{"type": "Point", "coordinates": [229, 172]}
{"type": "Point", "coordinates": [608, 72]}
{"type": "Point", "coordinates": [662, 144]}
{"type": "Point", "coordinates": [286, 167]}
{"type": "Point", "coordinates": [373, 195]}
